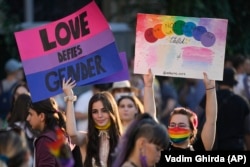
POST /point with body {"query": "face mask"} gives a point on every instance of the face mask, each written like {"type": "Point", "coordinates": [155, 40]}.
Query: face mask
{"type": "Point", "coordinates": [178, 135]}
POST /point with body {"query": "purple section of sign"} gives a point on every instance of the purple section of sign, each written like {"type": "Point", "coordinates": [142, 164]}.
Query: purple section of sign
{"type": "Point", "coordinates": [208, 39]}
{"type": "Point", "coordinates": [50, 61]}
{"type": "Point", "coordinates": [84, 70]}
{"type": "Point", "coordinates": [198, 31]}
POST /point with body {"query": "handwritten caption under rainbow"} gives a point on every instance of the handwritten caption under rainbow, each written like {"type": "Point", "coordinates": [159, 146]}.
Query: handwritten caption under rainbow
{"type": "Point", "coordinates": [179, 27]}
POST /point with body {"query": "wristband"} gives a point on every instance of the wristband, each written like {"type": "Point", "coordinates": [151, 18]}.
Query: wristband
{"type": "Point", "coordinates": [210, 88]}
{"type": "Point", "coordinates": [70, 98]}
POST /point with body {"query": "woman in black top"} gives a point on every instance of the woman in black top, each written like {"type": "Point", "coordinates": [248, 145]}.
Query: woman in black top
{"type": "Point", "coordinates": [183, 123]}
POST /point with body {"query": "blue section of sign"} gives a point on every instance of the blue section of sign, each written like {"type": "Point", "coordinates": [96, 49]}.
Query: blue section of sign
{"type": "Point", "coordinates": [87, 69]}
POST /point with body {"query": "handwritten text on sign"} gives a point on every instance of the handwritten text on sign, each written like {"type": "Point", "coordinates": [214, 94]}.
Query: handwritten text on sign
{"type": "Point", "coordinates": [78, 46]}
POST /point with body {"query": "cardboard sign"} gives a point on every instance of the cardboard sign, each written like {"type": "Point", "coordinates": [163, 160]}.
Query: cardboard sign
{"type": "Point", "coordinates": [178, 46]}
{"type": "Point", "coordinates": [80, 46]}
{"type": "Point", "coordinates": [119, 76]}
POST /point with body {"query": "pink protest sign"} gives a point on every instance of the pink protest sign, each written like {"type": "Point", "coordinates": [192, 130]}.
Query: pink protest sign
{"type": "Point", "coordinates": [180, 46]}
{"type": "Point", "coordinates": [79, 46]}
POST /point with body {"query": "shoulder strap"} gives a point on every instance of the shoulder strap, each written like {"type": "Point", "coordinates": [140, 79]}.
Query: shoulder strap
{"type": "Point", "coordinates": [12, 88]}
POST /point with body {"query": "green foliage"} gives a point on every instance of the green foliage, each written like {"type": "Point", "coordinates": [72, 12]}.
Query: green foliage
{"type": "Point", "coordinates": [8, 24]}
{"type": "Point", "coordinates": [236, 12]}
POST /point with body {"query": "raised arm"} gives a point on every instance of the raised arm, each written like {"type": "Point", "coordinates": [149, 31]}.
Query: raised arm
{"type": "Point", "coordinates": [78, 138]}
{"type": "Point", "coordinates": [148, 97]}
{"type": "Point", "coordinates": [209, 128]}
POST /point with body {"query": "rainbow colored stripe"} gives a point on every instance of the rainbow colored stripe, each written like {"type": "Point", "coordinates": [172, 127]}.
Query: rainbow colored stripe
{"type": "Point", "coordinates": [59, 149]}
{"type": "Point", "coordinates": [178, 135]}
{"type": "Point", "coordinates": [55, 146]}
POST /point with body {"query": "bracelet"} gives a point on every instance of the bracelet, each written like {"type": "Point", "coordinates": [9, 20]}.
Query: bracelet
{"type": "Point", "coordinates": [70, 98]}
{"type": "Point", "coordinates": [210, 88]}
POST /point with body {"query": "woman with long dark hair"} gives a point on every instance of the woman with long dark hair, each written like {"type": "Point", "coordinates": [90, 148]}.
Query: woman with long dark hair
{"type": "Point", "coordinates": [104, 127]}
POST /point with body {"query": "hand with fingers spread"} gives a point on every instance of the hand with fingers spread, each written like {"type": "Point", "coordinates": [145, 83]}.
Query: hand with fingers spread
{"type": "Point", "coordinates": [67, 86]}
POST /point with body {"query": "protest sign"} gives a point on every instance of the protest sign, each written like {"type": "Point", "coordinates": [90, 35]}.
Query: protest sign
{"type": "Point", "coordinates": [119, 76]}
{"type": "Point", "coordinates": [80, 46]}
{"type": "Point", "coordinates": [179, 46]}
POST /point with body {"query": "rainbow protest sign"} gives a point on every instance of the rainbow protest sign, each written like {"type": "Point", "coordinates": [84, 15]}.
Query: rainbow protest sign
{"type": "Point", "coordinates": [180, 46]}
{"type": "Point", "coordinates": [80, 46]}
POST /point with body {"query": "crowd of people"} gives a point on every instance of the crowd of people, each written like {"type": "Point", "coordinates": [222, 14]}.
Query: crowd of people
{"type": "Point", "coordinates": [121, 125]}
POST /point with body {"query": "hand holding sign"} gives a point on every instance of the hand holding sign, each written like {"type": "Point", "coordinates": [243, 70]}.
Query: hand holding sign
{"type": "Point", "coordinates": [180, 46]}
{"type": "Point", "coordinates": [78, 46]}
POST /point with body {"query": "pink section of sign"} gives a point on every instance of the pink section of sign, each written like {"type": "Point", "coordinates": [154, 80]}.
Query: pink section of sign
{"type": "Point", "coordinates": [192, 53]}
{"type": "Point", "coordinates": [30, 43]}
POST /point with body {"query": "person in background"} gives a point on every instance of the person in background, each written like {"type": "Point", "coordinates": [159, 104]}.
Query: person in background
{"type": "Point", "coordinates": [20, 88]}
{"type": "Point", "coordinates": [129, 107]}
{"type": "Point", "coordinates": [14, 74]}
{"type": "Point", "coordinates": [233, 122]}
{"type": "Point", "coordinates": [191, 93]}
{"type": "Point", "coordinates": [246, 80]}
{"type": "Point", "coordinates": [228, 62]}
{"type": "Point", "coordinates": [123, 88]}
{"type": "Point", "coordinates": [45, 118]}
{"type": "Point", "coordinates": [182, 126]}
{"type": "Point", "coordinates": [169, 98]}
{"type": "Point", "coordinates": [18, 115]}
{"type": "Point", "coordinates": [104, 126]}
{"type": "Point", "coordinates": [142, 143]}
{"type": "Point", "coordinates": [14, 151]}
{"type": "Point", "coordinates": [239, 66]}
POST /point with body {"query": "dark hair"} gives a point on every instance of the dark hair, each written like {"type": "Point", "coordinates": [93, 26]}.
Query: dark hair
{"type": "Point", "coordinates": [228, 77]}
{"type": "Point", "coordinates": [192, 119]}
{"type": "Point", "coordinates": [20, 109]}
{"type": "Point", "coordinates": [114, 131]}
{"type": "Point", "coordinates": [103, 87]}
{"type": "Point", "coordinates": [17, 85]}
{"type": "Point", "coordinates": [19, 114]}
{"type": "Point", "coordinates": [135, 100]}
{"type": "Point", "coordinates": [143, 126]}
{"type": "Point", "coordinates": [53, 117]}
{"type": "Point", "coordinates": [238, 60]}
{"type": "Point", "coordinates": [12, 148]}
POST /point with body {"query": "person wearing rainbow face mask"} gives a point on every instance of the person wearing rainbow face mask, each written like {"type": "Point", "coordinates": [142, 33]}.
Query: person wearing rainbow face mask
{"type": "Point", "coordinates": [182, 127]}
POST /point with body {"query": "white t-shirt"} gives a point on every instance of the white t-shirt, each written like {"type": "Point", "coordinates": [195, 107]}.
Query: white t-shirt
{"type": "Point", "coordinates": [81, 106]}
{"type": "Point", "coordinates": [239, 88]}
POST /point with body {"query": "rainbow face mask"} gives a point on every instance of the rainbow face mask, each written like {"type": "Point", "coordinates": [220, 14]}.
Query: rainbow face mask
{"type": "Point", "coordinates": [178, 135]}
